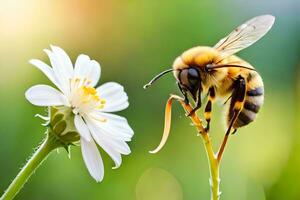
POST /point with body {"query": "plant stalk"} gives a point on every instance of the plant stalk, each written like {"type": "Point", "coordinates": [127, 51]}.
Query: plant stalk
{"type": "Point", "coordinates": [32, 164]}
{"type": "Point", "coordinates": [214, 160]}
{"type": "Point", "coordinates": [213, 168]}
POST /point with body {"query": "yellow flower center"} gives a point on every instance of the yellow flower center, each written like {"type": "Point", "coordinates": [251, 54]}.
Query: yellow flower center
{"type": "Point", "coordinates": [84, 98]}
{"type": "Point", "coordinates": [89, 93]}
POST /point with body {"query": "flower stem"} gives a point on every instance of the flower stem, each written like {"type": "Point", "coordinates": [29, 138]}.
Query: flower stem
{"type": "Point", "coordinates": [214, 160]}
{"type": "Point", "coordinates": [32, 164]}
{"type": "Point", "coordinates": [213, 168]}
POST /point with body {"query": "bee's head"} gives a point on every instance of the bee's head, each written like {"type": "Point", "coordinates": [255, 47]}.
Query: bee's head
{"type": "Point", "coordinates": [189, 80]}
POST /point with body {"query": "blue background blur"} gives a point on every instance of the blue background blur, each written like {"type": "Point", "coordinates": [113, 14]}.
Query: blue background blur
{"type": "Point", "coordinates": [134, 40]}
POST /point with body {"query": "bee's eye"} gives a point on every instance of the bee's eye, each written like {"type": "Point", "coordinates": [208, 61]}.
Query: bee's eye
{"type": "Point", "coordinates": [193, 77]}
{"type": "Point", "coordinates": [190, 80]}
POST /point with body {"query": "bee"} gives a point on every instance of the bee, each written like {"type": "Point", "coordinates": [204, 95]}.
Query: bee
{"type": "Point", "coordinates": [217, 72]}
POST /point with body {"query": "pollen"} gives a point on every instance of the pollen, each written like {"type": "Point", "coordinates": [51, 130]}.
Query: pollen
{"type": "Point", "coordinates": [101, 106]}
{"type": "Point", "coordinates": [102, 101]}
{"type": "Point", "coordinates": [103, 120]}
{"type": "Point", "coordinates": [89, 91]}
{"type": "Point", "coordinates": [89, 94]}
{"type": "Point", "coordinates": [84, 98]}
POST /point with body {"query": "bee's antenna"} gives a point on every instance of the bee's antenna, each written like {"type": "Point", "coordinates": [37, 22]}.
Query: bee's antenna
{"type": "Point", "coordinates": [157, 77]}
{"type": "Point", "coordinates": [211, 66]}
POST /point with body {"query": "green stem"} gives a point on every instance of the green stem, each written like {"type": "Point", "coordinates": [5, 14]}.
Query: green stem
{"type": "Point", "coordinates": [213, 168]}
{"type": "Point", "coordinates": [32, 164]}
{"type": "Point", "coordinates": [214, 159]}
{"type": "Point", "coordinates": [215, 181]}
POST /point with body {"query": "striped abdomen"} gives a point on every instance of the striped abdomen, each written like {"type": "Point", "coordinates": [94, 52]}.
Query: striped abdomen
{"type": "Point", "coordinates": [253, 100]}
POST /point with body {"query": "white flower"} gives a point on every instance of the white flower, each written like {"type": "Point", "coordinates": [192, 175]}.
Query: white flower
{"type": "Point", "coordinates": [90, 105]}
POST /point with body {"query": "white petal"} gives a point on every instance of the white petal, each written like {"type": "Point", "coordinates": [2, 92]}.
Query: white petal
{"type": "Point", "coordinates": [64, 59]}
{"type": "Point", "coordinates": [118, 122]}
{"type": "Point", "coordinates": [81, 65]}
{"type": "Point", "coordinates": [116, 126]}
{"type": "Point", "coordinates": [120, 146]}
{"type": "Point", "coordinates": [62, 72]}
{"type": "Point", "coordinates": [92, 159]}
{"type": "Point", "coordinates": [117, 133]}
{"type": "Point", "coordinates": [99, 132]}
{"type": "Point", "coordinates": [95, 72]}
{"type": "Point", "coordinates": [44, 95]}
{"type": "Point", "coordinates": [82, 128]}
{"type": "Point", "coordinates": [46, 69]}
{"type": "Point", "coordinates": [87, 68]}
{"type": "Point", "coordinates": [116, 119]}
{"type": "Point", "coordinates": [114, 95]}
{"type": "Point", "coordinates": [115, 155]}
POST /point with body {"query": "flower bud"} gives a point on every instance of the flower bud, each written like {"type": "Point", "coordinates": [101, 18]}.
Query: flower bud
{"type": "Point", "coordinates": [62, 126]}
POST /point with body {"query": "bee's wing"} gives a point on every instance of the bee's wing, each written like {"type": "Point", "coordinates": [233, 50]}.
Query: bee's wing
{"type": "Point", "coordinates": [245, 35]}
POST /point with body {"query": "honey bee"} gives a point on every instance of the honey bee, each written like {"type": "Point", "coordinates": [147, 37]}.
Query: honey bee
{"type": "Point", "coordinates": [217, 72]}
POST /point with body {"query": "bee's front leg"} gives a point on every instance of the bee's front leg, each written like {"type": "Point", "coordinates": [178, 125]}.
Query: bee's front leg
{"type": "Point", "coordinates": [186, 99]}
{"type": "Point", "coordinates": [184, 93]}
{"type": "Point", "coordinates": [198, 103]}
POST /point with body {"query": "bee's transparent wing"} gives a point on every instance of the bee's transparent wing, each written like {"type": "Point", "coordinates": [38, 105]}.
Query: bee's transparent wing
{"type": "Point", "coordinates": [245, 35]}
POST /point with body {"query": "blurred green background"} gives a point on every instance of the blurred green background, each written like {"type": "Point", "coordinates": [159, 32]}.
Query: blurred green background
{"type": "Point", "coordinates": [133, 40]}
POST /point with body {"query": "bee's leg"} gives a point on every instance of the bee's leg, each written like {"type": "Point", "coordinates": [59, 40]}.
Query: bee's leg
{"type": "Point", "coordinates": [234, 131]}
{"type": "Point", "coordinates": [236, 105]}
{"type": "Point", "coordinates": [208, 107]}
{"type": "Point", "coordinates": [184, 93]}
{"type": "Point", "coordinates": [198, 105]}
{"type": "Point", "coordinates": [237, 101]}
{"type": "Point", "coordinates": [227, 99]}
{"type": "Point", "coordinates": [198, 102]}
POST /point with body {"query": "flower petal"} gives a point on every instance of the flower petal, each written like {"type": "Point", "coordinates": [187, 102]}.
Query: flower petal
{"type": "Point", "coordinates": [115, 155]}
{"type": "Point", "coordinates": [92, 159]}
{"type": "Point", "coordinates": [119, 145]}
{"type": "Point", "coordinates": [99, 132]}
{"type": "Point", "coordinates": [46, 69]}
{"type": "Point", "coordinates": [116, 126]}
{"type": "Point", "coordinates": [62, 67]}
{"type": "Point", "coordinates": [95, 72]}
{"type": "Point", "coordinates": [119, 123]}
{"type": "Point", "coordinates": [103, 141]}
{"type": "Point", "coordinates": [114, 95]}
{"type": "Point", "coordinates": [82, 128]}
{"type": "Point", "coordinates": [64, 59]}
{"type": "Point", "coordinates": [44, 95]}
{"type": "Point", "coordinates": [87, 68]}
